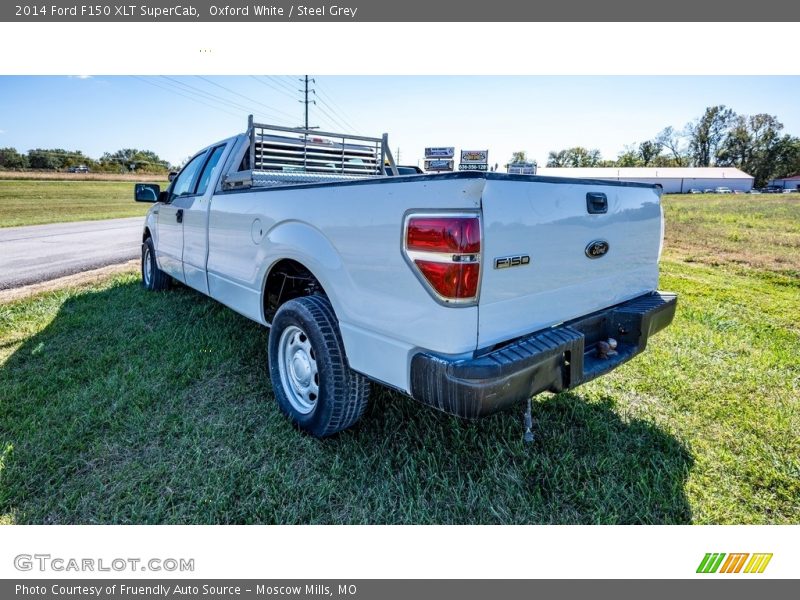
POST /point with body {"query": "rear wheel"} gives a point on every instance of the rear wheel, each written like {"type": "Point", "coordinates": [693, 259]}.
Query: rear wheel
{"type": "Point", "coordinates": [153, 278]}
{"type": "Point", "coordinates": [313, 384]}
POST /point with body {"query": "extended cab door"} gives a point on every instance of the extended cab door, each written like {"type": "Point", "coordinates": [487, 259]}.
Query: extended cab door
{"type": "Point", "coordinates": [195, 223]}
{"type": "Point", "coordinates": [169, 241]}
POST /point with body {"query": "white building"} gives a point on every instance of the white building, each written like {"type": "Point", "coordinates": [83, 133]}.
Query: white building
{"type": "Point", "coordinates": [674, 180]}
{"type": "Point", "coordinates": [787, 183]}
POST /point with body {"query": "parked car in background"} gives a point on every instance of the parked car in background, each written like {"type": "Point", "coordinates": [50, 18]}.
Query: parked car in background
{"type": "Point", "coordinates": [772, 189]}
{"type": "Point", "coordinates": [694, 191]}
{"type": "Point", "coordinates": [708, 191]}
{"type": "Point", "coordinates": [78, 169]}
{"type": "Point", "coordinates": [755, 191]}
{"type": "Point", "coordinates": [723, 190]}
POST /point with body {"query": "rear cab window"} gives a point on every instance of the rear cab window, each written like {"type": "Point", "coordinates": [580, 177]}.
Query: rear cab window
{"type": "Point", "coordinates": [205, 176]}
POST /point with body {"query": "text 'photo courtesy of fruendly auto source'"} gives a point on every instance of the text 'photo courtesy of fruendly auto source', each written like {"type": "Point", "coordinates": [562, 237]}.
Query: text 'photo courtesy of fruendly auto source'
{"type": "Point", "coordinates": [319, 299]}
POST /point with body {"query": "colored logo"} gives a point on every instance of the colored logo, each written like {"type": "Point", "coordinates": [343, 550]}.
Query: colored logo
{"type": "Point", "coordinates": [719, 562]}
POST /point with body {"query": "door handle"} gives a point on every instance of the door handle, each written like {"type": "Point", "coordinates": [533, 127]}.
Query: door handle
{"type": "Point", "coordinates": [596, 203]}
{"type": "Point", "coordinates": [179, 215]}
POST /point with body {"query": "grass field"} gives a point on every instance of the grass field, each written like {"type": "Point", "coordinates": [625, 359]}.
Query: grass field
{"type": "Point", "coordinates": [119, 406]}
{"type": "Point", "coordinates": [64, 176]}
{"type": "Point", "coordinates": [29, 202]}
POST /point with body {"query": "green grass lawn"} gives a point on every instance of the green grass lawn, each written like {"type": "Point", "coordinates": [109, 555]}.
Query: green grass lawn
{"type": "Point", "coordinates": [35, 202]}
{"type": "Point", "coordinates": [120, 406]}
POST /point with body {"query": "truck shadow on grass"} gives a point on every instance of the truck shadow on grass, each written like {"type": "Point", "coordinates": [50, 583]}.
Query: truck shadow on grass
{"type": "Point", "coordinates": [130, 407]}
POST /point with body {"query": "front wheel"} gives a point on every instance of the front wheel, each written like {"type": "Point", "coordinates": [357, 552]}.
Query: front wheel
{"type": "Point", "coordinates": [153, 278]}
{"type": "Point", "coordinates": [313, 383]}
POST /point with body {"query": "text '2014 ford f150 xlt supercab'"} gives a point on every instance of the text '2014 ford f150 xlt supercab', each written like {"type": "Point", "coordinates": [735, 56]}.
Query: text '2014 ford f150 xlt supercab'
{"type": "Point", "coordinates": [468, 291]}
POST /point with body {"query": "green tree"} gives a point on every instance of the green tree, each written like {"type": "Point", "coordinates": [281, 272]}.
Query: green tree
{"type": "Point", "coordinates": [787, 157]}
{"type": "Point", "coordinates": [518, 157]}
{"type": "Point", "coordinates": [11, 159]}
{"type": "Point", "coordinates": [754, 145]}
{"type": "Point", "coordinates": [649, 151]}
{"type": "Point", "coordinates": [665, 160]}
{"type": "Point", "coordinates": [56, 158]}
{"type": "Point", "coordinates": [134, 159]}
{"type": "Point", "coordinates": [629, 157]}
{"type": "Point", "coordinates": [707, 133]}
{"type": "Point", "coordinates": [45, 159]}
{"type": "Point", "coordinates": [577, 156]}
{"type": "Point", "coordinates": [673, 143]}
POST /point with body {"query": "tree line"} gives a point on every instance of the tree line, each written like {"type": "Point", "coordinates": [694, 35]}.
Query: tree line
{"type": "Point", "coordinates": [58, 159]}
{"type": "Point", "coordinates": [720, 137]}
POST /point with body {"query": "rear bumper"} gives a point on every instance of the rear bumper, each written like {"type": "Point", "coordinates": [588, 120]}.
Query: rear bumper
{"type": "Point", "coordinates": [555, 359]}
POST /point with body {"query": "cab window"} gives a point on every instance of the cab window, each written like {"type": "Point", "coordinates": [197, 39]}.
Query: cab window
{"type": "Point", "coordinates": [183, 185]}
{"type": "Point", "coordinates": [205, 176]}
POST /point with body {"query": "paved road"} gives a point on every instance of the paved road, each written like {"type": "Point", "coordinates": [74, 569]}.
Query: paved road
{"type": "Point", "coordinates": [43, 252]}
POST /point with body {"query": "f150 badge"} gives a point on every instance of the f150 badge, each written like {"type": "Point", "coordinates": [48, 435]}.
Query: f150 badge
{"type": "Point", "coordinates": [597, 248]}
{"type": "Point", "coordinates": [504, 262]}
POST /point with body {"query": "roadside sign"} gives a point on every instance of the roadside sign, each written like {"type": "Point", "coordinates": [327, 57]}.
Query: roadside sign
{"type": "Point", "coordinates": [474, 160]}
{"type": "Point", "coordinates": [522, 168]}
{"type": "Point", "coordinates": [475, 157]}
{"type": "Point", "coordinates": [440, 152]}
{"type": "Point", "coordinates": [439, 165]}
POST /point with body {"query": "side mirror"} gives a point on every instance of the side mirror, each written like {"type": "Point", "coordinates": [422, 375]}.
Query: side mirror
{"type": "Point", "coordinates": [146, 192]}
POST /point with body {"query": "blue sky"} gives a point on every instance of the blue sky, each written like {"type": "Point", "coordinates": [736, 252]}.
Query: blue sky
{"type": "Point", "coordinates": [176, 115]}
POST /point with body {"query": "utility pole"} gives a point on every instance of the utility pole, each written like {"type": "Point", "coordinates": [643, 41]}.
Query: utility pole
{"type": "Point", "coordinates": [306, 101]}
{"type": "Point", "coordinates": [398, 154]}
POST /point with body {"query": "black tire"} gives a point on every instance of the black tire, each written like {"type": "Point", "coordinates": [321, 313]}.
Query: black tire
{"type": "Point", "coordinates": [315, 387]}
{"type": "Point", "coordinates": [153, 279]}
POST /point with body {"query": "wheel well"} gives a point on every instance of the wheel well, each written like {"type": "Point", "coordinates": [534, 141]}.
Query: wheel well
{"type": "Point", "coordinates": [146, 234]}
{"type": "Point", "coordinates": [288, 279]}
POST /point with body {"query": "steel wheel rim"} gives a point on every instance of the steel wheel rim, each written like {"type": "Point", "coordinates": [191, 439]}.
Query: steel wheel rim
{"type": "Point", "coordinates": [148, 268]}
{"type": "Point", "coordinates": [298, 368]}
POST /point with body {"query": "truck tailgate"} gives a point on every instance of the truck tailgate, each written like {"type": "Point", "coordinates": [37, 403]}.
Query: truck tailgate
{"type": "Point", "coordinates": [549, 222]}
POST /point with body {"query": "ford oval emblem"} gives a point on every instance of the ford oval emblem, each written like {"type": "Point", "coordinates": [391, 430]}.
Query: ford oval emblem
{"type": "Point", "coordinates": [597, 248]}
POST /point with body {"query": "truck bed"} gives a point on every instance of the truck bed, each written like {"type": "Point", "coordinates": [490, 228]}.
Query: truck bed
{"type": "Point", "coordinates": [348, 233]}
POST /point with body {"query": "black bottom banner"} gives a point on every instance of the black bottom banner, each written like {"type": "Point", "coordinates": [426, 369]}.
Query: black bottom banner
{"type": "Point", "coordinates": [396, 589]}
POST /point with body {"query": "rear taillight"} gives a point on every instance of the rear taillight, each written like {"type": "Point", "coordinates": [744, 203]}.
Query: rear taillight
{"type": "Point", "coordinates": [445, 251]}
{"type": "Point", "coordinates": [444, 234]}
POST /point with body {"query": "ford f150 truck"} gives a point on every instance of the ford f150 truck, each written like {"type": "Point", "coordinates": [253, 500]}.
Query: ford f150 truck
{"type": "Point", "coordinates": [468, 291]}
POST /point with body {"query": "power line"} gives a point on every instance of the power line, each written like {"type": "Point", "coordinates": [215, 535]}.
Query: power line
{"type": "Point", "coordinates": [173, 91]}
{"type": "Point", "coordinates": [208, 95]}
{"type": "Point", "coordinates": [342, 121]}
{"type": "Point", "coordinates": [323, 89]}
{"type": "Point", "coordinates": [287, 86]}
{"type": "Point", "coordinates": [216, 98]}
{"type": "Point", "coordinates": [230, 91]}
{"type": "Point", "coordinates": [293, 95]}
{"type": "Point", "coordinates": [337, 124]}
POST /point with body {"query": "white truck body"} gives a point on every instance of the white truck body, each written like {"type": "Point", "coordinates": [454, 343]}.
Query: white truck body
{"type": "Point", "coordinates": [350, 236]}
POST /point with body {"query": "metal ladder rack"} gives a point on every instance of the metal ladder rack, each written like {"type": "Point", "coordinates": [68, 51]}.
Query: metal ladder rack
{"type": "Point", "coordinates": [292, 155]}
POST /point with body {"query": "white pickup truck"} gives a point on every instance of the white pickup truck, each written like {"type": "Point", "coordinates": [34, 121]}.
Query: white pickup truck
{"type": "Point", "coordinates": [468, 291]}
